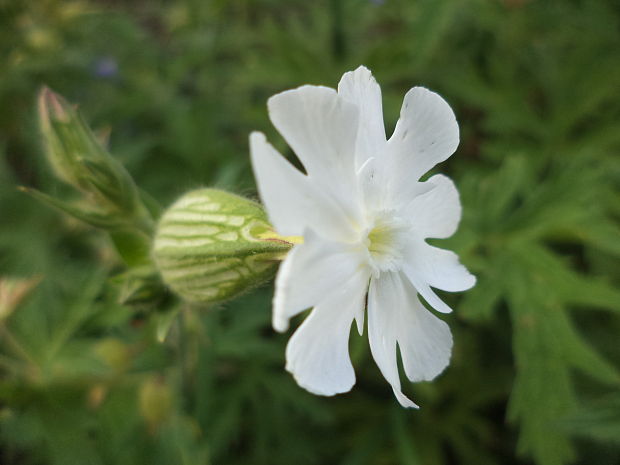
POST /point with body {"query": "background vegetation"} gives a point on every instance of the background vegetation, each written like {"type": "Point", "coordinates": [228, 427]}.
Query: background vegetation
{"type": "Point", "coordinates": [180, 84]}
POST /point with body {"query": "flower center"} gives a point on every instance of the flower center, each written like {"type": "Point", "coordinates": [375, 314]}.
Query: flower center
{"type": "Point", "coordinates": [385, 241]}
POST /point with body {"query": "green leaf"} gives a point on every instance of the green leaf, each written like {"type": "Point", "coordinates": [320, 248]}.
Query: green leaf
{"type": "Point", "coordinates": [98, 219]}
{"type": "Point", "coordinates": [599, 420]}
{"type": "Point", "coordinates": [546, 347]}
{"type": "Point", "coordinates": [542, 393]}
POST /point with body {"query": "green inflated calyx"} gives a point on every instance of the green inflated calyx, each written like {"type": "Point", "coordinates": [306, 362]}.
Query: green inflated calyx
{"type": "Point", "coordinates": [211, 245]}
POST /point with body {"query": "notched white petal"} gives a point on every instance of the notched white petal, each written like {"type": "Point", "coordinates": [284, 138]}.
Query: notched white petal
{"type": "Point", "coordinates": [426, 134]}
{"type": "Point", "coordinates": [439, 268]}
{"type": "Point", "coordinates": [318, 353]}
{"type": "Point", "coordinates": [425, 341]}
{"type": "Point", "coordinates": [275, 175]}
{"type": "Point", "coordinates": [424, 290]}
{"type": "Point", "coordinates": [321, 128]}
{"type": "Point", "coordinates": [292, 201]}
{"type": "Point", "coordinates": [360, 88]}
{"type": "Point", "coordinates": [396, 316]}
{"type": "Point", "coordinates": [310, 273]}
{"type": "Point", "coordinates": [435, 213]}
{"type": "Point", "coordinates": [384, 305]}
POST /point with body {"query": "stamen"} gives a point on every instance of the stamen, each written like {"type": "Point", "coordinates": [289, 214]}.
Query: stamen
{"type": "Point", "coordinates": [385, 242]}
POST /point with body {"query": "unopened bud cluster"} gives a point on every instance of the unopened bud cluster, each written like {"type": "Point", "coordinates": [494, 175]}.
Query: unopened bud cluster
{"type": "Point", "coordinates": [106, 196]}
{"type": "Point", "coordinates": [208, 247]}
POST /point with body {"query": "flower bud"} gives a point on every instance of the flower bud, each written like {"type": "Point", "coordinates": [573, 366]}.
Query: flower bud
{"type": "Point", "coordinates": [79, 159]}
{"type": "Point", "coordinates": [53, 111]}
{"type": "Point", "coordinates": [212, 245]}
{"type": "Point", "coordinates": [109, 197]}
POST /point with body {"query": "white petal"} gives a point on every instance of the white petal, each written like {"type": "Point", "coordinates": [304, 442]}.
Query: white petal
{"type": "Point", "coordinates": [292, 201]}
{"type": "Point", "coordinates": [425, 290]}
{"type": "Point", "coordinates": [426, 134]}
{"type": "Point", "coordinates": [360, 88]}
{"type": "Point", "coordinates": [425, 341]}
{"type": "Point", "coordinates": [436, 213]}
{"type": "Point", "coordinates": [318, 353]}
{"type": "Point", "coordinates": [310, 273]}
{"type": "Point", "coordinates": [437, 267]}
{"type": "Point", "coordinates": [395, 315]}
{"type": "Point", "coordinates": [321, 127]}
{"type": "Point", "coordinates": [383, 332]}
{"type": "Point", "coordinates": [376, 187]}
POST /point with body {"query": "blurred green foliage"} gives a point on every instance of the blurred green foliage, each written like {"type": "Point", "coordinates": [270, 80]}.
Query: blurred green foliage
{"type": "Point", "coordinates": [180, 84]}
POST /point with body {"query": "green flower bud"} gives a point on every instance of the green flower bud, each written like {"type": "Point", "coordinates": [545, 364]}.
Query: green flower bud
{"type": "Point", "coordinates": [212, 245]}
{"type": "Point", "coordinates": [79, 159]}
{"type": "Point", "coordinates": [109, 198]}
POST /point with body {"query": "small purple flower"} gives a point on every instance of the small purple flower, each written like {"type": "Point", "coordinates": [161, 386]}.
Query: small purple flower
{"type": "Point", "coordinates": [377, 2]}
{"type": "Point", "coordinates": [106, 68]}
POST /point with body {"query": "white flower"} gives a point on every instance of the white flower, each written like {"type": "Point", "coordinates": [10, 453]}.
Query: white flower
{"type": "Point", "coordinates": [364, 217]}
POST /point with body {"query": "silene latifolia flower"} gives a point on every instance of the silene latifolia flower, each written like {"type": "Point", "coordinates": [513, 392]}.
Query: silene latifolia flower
{"type": "Point", "coordinates": [364, 217]}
